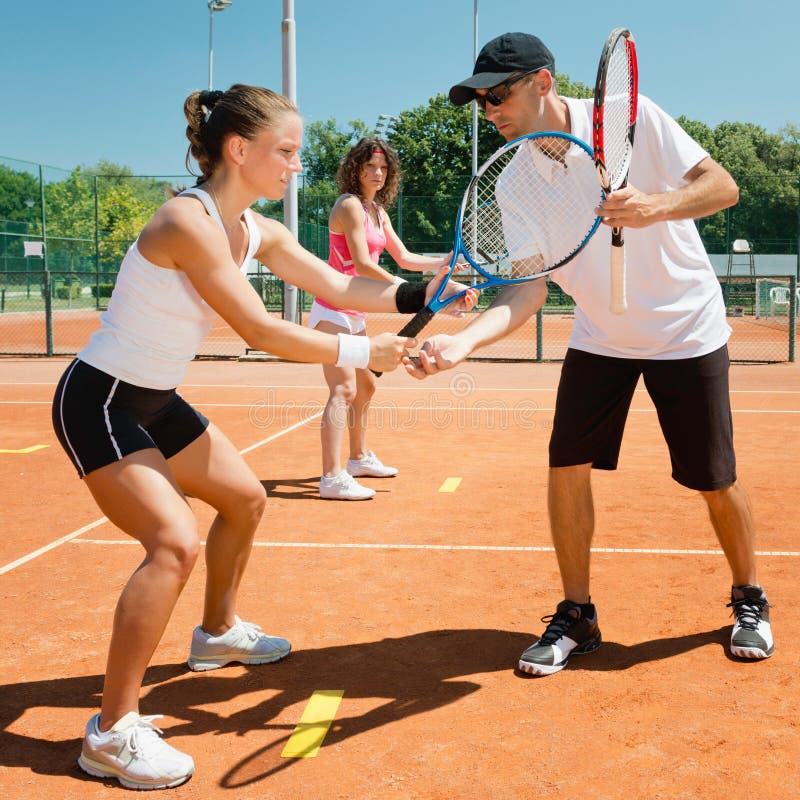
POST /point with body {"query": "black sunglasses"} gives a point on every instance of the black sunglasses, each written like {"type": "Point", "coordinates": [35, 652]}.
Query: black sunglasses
{"type": "Point", "coordinates": [496, 99]}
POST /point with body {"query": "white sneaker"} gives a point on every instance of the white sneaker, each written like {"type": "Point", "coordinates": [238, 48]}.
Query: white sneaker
{"type": "Point", "coordinates": [244, 643]}
{"type": "Point", "coordinates": [369, 466]}
{"type": "Point", "coordinates": [133, 753]}
{"type": "Point", "coordinates": [343, 487]}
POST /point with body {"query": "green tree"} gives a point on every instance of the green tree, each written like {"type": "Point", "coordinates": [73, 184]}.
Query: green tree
{"type": "Point", "coordinates": [70, 222]}
{"type": "Point", "coordinates": [122, 215]}
{"type": "Point", "coordinates": [788, 155]}
{"type": "Point", "coordinates": [152, 192]}
{"type": "Point", "coordinates": [15, 188]}
{"type": "Point", "coordinates": [764, 166]}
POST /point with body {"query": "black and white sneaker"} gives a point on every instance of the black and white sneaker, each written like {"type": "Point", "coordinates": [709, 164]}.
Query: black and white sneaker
{"type": "Point", "coordinates": [571, 630]}
{"type": "Point", "coordinates": [752, 633]}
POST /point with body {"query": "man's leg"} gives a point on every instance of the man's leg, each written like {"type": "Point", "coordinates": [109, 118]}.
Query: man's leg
{"type": "Point", "coordinates": [569, 502]}
{"type": "Point", "coordinates": [732, 518]}
{"type": "Point", "coordinates": [692, 397]}
{"type": "Point", "coordinates": [594, 396]}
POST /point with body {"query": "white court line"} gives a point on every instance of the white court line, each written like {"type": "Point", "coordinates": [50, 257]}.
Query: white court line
{"type": "Point", "coordinates": [471, 409]}
{"type": "Point", "coordinates": [24, 560]}
{"type": "Point", "coordinates": [280, 433]}
{"type": "Point", "coordinates": [471, 547]}
{"type": "Point", "coordinates": [102, 520]}
{"type": "Point", "coordinates": [377, 407]}
{"type": "Point", "coordinates": [384, 388]}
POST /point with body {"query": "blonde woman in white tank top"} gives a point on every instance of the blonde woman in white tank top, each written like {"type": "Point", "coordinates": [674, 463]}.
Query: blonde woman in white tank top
{"type": "Point", "coordinates": [140, 456]}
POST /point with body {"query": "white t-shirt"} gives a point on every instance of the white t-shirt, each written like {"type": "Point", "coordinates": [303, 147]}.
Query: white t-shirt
{"type": "Point", "coordinates": [675, 305]}
{"type": "Point", "coordinates": [156, 319]}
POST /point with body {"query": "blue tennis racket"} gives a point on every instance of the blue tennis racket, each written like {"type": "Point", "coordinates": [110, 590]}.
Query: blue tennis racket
{"type": "Point", "coordinates": [529, 210]}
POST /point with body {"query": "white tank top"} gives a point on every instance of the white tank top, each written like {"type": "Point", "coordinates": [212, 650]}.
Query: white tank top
{"type": "Point", "coordinates": [155, 319]}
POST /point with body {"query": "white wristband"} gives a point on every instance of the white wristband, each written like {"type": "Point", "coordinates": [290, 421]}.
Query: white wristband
{"type": "Point", "coordinates": [353, 351]}
{"type": "Point", "coordinates": [398, 279]}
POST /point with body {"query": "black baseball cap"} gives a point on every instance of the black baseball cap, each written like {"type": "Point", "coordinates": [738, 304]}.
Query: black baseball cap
{"type": "Point", "coordinates": [500, 59]}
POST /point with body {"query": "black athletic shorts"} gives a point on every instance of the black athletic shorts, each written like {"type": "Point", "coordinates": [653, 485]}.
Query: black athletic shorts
{"type": "Point", "coordinates": [99, 419]}
{"type": "Point", "coordinates": [691, 397]}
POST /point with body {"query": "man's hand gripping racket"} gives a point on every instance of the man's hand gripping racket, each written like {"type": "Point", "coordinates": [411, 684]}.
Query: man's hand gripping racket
{"type": "Point", "coordinates": [528, 210]}
{"type": "Point", "coordinates": [615, 106]}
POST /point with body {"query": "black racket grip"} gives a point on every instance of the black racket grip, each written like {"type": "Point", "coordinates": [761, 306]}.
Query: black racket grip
{"type": "Point", "coordinates": [413, 327]}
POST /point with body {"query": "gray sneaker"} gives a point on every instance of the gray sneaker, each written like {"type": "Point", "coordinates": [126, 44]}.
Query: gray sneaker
{"type": "Point", "coordinates": [244, 643]}
{"type": "Point", "coordinates": [571, 630]}
{"type": "Point", "coordinates": [752, 633]}
{"type": "Point", "coordinates": [133, 753]}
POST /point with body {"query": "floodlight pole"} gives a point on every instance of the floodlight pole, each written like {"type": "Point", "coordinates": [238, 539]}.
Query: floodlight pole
{"type": "Point", "coordinates": [473, 279]}
{"type": "Point", "coordinates": [290, 293]}
{"type": "Point", "coordinates": [210, 44]}
{"type": "Point", "coordinates": [475, 102]}
{"type": "Point", "coordinates": [213, 5]}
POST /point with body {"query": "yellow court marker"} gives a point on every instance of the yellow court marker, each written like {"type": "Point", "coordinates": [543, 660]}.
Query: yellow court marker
{"type": "Point", "coordinates": [317, 717]}
{"type": "Point", "coordinates": [450, 485]}
{"type": "Point", "coordinates": [26, 450]}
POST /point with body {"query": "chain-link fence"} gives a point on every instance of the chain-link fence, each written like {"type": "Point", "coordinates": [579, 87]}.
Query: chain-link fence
{"type": "Point", "coordinates": [54, 312]}
{"type": "Point", "coordinates": [63, 235]}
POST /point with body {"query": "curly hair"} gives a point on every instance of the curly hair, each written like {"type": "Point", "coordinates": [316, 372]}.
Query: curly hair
{"type": "Point", "coordinates": [348, 174]}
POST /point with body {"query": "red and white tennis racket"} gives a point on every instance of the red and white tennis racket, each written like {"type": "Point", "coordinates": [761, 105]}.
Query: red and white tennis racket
{"type": "Point", "coordinates": [615, 105]}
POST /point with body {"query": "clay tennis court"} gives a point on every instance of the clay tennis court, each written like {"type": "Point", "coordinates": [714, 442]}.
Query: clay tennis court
{"type": "Point", "coordinates": [416, 605]}
{"type": "Point", "coordinates": [753, 339]}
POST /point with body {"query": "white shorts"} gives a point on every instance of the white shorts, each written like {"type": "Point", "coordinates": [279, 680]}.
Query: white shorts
{"type": "Point", "coordinates": [347, 321]}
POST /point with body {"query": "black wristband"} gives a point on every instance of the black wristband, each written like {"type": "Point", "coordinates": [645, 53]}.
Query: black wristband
{"type": "Point", "coordinates": [410, 297]}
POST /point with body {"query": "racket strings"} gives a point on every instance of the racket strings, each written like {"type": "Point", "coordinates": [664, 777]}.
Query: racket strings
{"type": "Point", "coordinates": [617, 106]}
{"type": "Point", "coordinates": [531, 208]}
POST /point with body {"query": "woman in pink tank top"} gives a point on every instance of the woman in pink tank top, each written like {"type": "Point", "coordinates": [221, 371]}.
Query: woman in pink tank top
{"type": "Point", "coordinates": [368, 179]}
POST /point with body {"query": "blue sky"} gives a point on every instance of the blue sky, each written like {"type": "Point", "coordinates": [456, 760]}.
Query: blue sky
{"type": "Point", "coordinates": [85, 80]}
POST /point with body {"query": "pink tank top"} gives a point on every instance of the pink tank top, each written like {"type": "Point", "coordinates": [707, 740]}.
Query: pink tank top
{"type": "Point", "coordinates": [341, 260]}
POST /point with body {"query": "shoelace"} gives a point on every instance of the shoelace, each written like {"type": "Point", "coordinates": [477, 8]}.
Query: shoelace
{"type": "Point", "coordinates": [369, 460]}
{"type": "Point", "coordinates": [143, 731]}
{"type": "Point", "coordinates": [557, 625]}
{"type": "Point", "coordinates": [250, 629]}
{"type": "Point", "coordinates": [343, 479]}
{"type": "Point", "coordinates": [748, 611]}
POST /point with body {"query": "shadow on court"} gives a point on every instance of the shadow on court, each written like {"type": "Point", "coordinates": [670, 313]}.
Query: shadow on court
{"type": "Point", "coordinates": [613, 656]}
{"type": "Point", "coordinates": [415, 674]}
{"type": "Point", "coordinates": [293, 488]}
{"type": "Point", "coordinates": [299, 489]}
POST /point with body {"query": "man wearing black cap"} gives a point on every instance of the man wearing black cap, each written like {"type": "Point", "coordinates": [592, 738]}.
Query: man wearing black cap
{"type": "Point", "coordinates": [674, 334]}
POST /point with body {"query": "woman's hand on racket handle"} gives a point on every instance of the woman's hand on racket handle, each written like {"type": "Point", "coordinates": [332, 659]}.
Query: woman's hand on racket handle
{"type": "Point", "coordinates": [437, 354]}
{"type": "Point", "coordinates": [386, 351]}
{"type": "Point", "coordinates": [457, 308]}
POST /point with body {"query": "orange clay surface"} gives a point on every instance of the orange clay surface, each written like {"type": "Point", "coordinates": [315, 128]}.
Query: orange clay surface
{"type": "Point", "coordinates": [416, 604]}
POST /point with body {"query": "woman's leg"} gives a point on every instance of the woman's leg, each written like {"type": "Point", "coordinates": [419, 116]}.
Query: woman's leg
{"type": "Point", "coordinates": [365, 389]}
{"type": "Point", "coordinates": [141, 497]}
{"type": "Point", "coordinates": [211, 470]}
{"type": "Point", "coordinates": [337, 414]}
